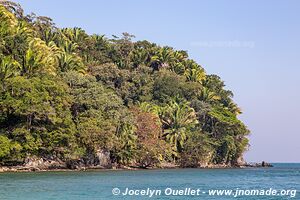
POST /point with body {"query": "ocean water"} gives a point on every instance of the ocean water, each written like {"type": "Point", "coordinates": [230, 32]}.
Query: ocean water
{"type": "Point", "coordinates": [284, 179]}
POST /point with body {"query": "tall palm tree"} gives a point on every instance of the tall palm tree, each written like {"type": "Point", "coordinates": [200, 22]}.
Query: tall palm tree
{"type": "Point", "coordinates": [39, 58]}
{"type": "Point", "coordinates": [194, 72]}
{"type": "Point", "coordinates": [177, 118]}
{"type": "Point", "coordinates": [8, 24]}
{"type": "Point", "coordinates": [228, 148]}
{"type": "Point", "coordinates": [13, 7]}
{"type": "Point", "coordinates": [163, 58]}
{"type": "Point", "coordinates": [208, 96]}
{"type": "Point", "coordinates": [138, 57]}
{"type": "Point", "coordinates": [127, 141]}
{"type": "Point", "coordinates": [67, 62]}
{"type": "Point", "coordinates": [178, 65]}
{"type": "Point", "coordinates": [8, 20]}
{"type": "Point", "coordinates": [178, 68]}
{"type": "Point", "coordinates": [233, 107]}
{"type": "Point", "coordinates": [20, 38]}
{"type": "Point", "coordinates": [152, 108]}
{"type": "Point", "coordinates": [8, 68]}
{"type": "Point", "coordinates": [24, 31]}
{"type": "Point", "coordinates": [100, 42]}
{"type": "Point", "coordinates": [74, 34]}
{"type": "Point", "coordinates": [68, 46]}
{"type": "Point", "coordinates": [195, 75]}
{"type": "Point", "coordinates": [49, 35]}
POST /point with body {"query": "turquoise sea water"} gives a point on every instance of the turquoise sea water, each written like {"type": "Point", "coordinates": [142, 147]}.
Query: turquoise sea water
{"type": "Point", "coordinates": [96, 185]}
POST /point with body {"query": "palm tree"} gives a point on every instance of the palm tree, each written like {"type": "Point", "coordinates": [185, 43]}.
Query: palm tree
{"type": "Point", "coordinates": [67, 62]}
{"type": "Point", "coordinates": [69, 47]}
{"type": "Point", "coordinates": [18, 43]}
{"type": "Point", "coordinates": [74, 34]}
{"type": "Point", "coordinates": [13, 7]}
{"type": "Point", "coordinates": [127, 141]}
{"type": "Point", "coordinates": [228, 148]}
{"type": "Point", "coordinates": [100, 42]}
{"type": "Point", "coordinates": [208, 96]}
{"type": "Point", "coordinates": [152, 108]}
{"type": "Point", "coordinates": [177, 118]}
{"type": "Point", "coordinates": [49, 35]}
{"type": "Point", "coordinates": [22, 30]}
{"type": "Point", "coordinates": [178, 65]}
{"type": "Point", "coordinates": [194, 72]}
{"type": "Point", "coordinates": [8, 20]}
{"type": "Point", "coordinates": [180, 56]}
{"type": "Point", "coordinates": [138, 57]}
{"type": "Point", "coordinates": [195, 75]}
{"type": "Point", "coordinates": [8, 68]}
{"type": "Point", "coordinates": [39, 58]}
{"type": "Point", "coordinates": [178, 68]}
{"type": "Point", "coordinates": [233, 107]}
{"type": "Point", "coordinates": [163, 58]}
{"type": "Point", "coordinates": [8, 24]}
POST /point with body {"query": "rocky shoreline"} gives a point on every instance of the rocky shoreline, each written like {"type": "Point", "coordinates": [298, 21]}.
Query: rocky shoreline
{"type": "Point", "coordinates": [42, 165]}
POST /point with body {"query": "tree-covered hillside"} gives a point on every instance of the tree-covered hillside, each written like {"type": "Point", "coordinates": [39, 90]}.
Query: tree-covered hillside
{"type": "Point", "coordinates": [68, 95]}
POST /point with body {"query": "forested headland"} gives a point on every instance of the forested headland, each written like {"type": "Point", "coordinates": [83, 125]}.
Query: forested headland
{"type": "Point", "coordinates": [74, 99]}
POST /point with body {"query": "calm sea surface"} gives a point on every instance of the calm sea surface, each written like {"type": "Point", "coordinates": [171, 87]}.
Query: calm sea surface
{"type": "Point", "coordinates": [166, 184]}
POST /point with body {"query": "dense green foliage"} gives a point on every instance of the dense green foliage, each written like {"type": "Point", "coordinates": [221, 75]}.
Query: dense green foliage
{"type": "Point", "coordinates": [66, 94]}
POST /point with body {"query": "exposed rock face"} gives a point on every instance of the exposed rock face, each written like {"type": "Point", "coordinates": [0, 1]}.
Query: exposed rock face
{"type": "Point", "coordinates": [262, 164]}
{"type": "Point", "coordinates": [240, 161]}
{"type": "Point", "coordinates": [265, 164]}
{"type": "Point", "coordinates": [104, 158]}
{"type": "Point", "coordinates": [99, 160]}
{"type": "Point", "coordinates": [75, 164]}
{"type": "Point", "coordinates": [43, 163]}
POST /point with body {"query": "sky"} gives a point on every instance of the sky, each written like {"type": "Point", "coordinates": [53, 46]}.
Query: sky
{"type": "Point", "coordinates": [253, 45]}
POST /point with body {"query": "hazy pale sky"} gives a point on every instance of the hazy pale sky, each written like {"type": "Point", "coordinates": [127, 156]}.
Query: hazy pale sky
{"type": "Point", "coordinates": [253, 45]}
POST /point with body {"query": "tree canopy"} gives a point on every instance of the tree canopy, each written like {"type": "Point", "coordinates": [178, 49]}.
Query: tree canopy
{"type": "Point", "coordinates": [66, 94]}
